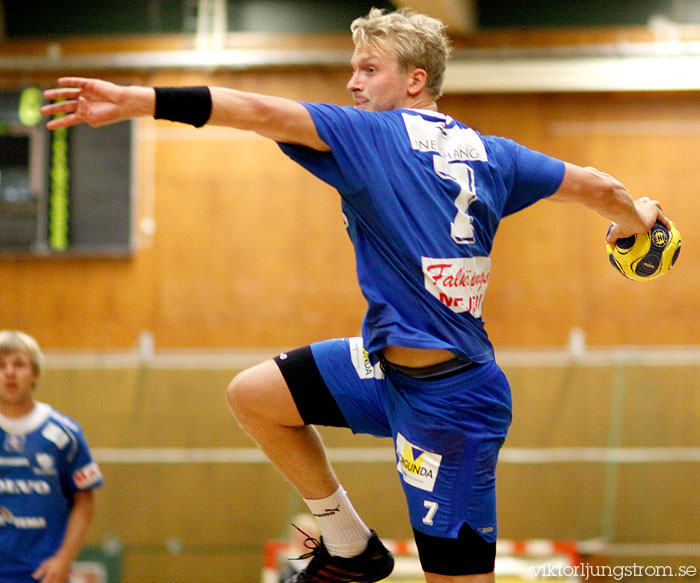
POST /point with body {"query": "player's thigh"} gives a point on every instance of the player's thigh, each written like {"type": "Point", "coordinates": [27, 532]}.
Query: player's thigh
{"type": "Point", "coordinates": [261, 392]}
{"type": "Point", "coordinates": [356, 389]}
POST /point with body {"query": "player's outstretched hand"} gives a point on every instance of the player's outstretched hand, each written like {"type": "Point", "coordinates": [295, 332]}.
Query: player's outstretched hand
{"type": "Point", "coordinates": [95, 102]}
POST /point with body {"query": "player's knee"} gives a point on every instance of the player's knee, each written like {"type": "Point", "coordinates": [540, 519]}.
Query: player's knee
{"type": "Point", "coordinates": [240, 395]}
{"type": "Point", "coordinates": [258, 397]}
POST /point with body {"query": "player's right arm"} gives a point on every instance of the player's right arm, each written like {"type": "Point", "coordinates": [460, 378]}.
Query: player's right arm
{"type": "Point", "coordinates": [99, 103]}
{"type": "Point", "coordinates": [57, 567]}
{"type": "Point", "coordinates": [609, 197]}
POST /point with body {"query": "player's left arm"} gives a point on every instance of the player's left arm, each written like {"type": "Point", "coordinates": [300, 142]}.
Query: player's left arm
{"type": "Point", "coordinates": [608, 196]}
{"type": "Point", "coordinates": [277, 118]}
{"type": "Point", "coordinates": [98, 103]}
{"type": "Point", "coordinates": [56, 569]}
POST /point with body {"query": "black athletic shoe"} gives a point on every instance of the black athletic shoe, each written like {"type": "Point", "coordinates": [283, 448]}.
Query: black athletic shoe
{"type": "Point", "coordinates": [373, 564]}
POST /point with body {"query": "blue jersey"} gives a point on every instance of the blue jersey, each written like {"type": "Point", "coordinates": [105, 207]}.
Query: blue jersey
{"type": "Point", "coordinates": [44, 461]}
{"type": "Point", "coordinates": [422, 196]}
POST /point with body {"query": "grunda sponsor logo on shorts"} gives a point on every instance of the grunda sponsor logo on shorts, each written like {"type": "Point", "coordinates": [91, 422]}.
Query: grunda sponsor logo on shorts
{"type": "Point", "coordinates": [417, 466]}
{"type": "Point", "coordinates": [360, 360]}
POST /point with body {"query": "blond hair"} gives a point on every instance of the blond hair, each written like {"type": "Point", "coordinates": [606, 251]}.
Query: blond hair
{"type": "Point", "coordinates": [419, 41]}
{"type": "Point", "coordinates": [12, 340]}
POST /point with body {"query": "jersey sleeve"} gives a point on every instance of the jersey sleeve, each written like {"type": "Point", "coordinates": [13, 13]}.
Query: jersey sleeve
{"type": "Point", "coordinates": [321, 164]}
{"type": "Point", "coordinates": [80, 472]}
{"type": "Point", "coordinates": [85, 473]}
{"type": "Point", "coordinates": [350, 135]}
{"type": "Point", "coordinates": [533, 175]}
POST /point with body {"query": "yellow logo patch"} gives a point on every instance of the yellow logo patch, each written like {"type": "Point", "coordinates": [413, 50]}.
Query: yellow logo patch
{"type": "Point", "coordinates": [417, 466]}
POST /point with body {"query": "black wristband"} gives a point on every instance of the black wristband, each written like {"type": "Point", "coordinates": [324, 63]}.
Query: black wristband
{"type": "Point", "coordinates": [190, 105]}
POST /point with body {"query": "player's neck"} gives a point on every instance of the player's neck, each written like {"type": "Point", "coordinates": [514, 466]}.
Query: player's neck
{"type": "Point", "coordinates": [17, 410]}
{"type": "Point", "coordinates": [421, 102]}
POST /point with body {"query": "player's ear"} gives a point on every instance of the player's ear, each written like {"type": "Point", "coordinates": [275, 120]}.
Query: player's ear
{"type": "Point", "coordinates": [417, 81]}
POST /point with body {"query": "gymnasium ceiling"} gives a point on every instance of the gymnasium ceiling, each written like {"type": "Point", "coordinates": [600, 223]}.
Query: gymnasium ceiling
{"type": "Point", "coordinates": [37, 18]}
{"type": "Point", "coordinates": [669, 59]}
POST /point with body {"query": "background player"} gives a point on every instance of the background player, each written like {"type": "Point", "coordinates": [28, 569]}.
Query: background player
{"type": "Point", "coordinates": [46, 472]}
{"type": "Point", "coordinates": [422, 197]}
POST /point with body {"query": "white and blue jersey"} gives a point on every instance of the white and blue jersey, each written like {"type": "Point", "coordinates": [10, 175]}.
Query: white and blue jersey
{"type": "Point", "coordinates": [423, 195]}
{"type": "Point", "coordinates": [44, 461]}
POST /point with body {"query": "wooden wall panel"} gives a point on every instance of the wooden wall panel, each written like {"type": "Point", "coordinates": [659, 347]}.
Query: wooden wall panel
{"type": "Point", "coordinates": [262, 254]}
{"type": "Point", "coordinates": [248, 249]}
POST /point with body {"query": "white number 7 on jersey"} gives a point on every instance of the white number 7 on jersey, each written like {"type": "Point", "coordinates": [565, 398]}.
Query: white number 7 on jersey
{"type": "Point", "coordinates": [462, 231]}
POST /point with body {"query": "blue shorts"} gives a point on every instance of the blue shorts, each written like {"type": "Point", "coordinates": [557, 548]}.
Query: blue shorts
{"type": "Point", "coordinates": [447, 432]}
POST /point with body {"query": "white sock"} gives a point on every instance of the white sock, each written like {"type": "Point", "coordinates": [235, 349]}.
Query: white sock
{"type": "Point", "coordinates": [344, 533]}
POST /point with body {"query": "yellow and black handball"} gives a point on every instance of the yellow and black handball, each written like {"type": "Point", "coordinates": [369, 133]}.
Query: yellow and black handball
{"type": "Point", "coordinates": [646, 256]}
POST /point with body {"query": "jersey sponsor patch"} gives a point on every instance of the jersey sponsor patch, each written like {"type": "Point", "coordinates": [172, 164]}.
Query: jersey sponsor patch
{"type": "Point", "coordinates": [14, 462]}
{"type": "Point", "coordinates": [459, 283]}
{"type": "Point", "coordinates": [21, 522]}
{"type": "Point", "coordinates": [417, 467]}
{"type": "Point", "coordinates": [14, 443]}
{"type": "Point", "coordinates": [453, 144]}
{"type": "Point", "coordinates": [46, 464]}
{"type": "Point", "coordinates": [55, 434]}
{"type": "Point", "coordinates": [27, 487]}
{"type": "Point", "coordinates": [361, 362]}
{"type": "Point", "coordinates": [87, 476]}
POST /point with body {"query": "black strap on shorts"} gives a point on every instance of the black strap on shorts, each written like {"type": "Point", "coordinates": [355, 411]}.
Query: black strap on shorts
{"type": "Point", "coordinates": [433, 372]}
{"type": "Point", "coordinates": [314, 401]}
{"type": "Point", "coordinates": [468, 554]}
